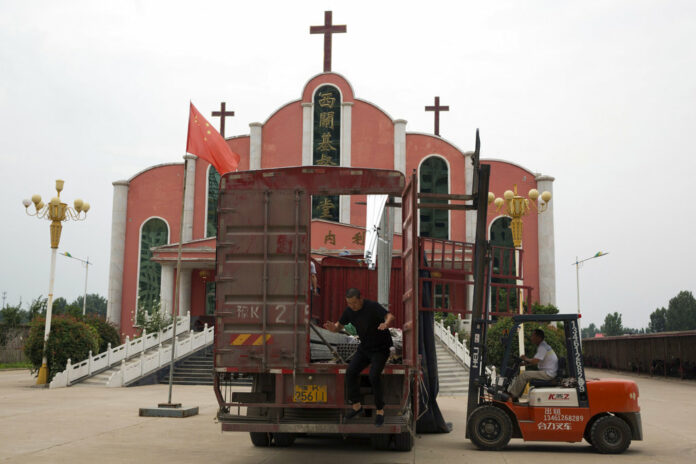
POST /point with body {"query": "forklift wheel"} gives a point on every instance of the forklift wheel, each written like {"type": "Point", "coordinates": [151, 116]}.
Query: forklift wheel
{"type": "Point", "coordinates": [610, 435]}
{"type": "Point", "coordinates": [490, 428]}
{"type": "Point", "coordinates": [260, 438]}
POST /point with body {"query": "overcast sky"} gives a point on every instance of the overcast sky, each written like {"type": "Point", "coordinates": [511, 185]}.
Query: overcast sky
{"type": "Point", "coordinates": [599, 94]}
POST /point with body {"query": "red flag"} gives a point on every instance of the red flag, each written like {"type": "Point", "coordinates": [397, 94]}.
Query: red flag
{"type": "Point", "coordinates": [205, 142]}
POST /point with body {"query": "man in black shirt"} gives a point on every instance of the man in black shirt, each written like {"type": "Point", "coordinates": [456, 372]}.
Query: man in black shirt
{"type": "Point", "coordinates": [372, 323]}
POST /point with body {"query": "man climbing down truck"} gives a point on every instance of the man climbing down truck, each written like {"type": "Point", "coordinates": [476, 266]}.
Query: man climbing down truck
{"type": "Point", "coordinates": [372, 323]}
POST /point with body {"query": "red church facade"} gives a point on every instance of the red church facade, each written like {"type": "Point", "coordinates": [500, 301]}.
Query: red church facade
{"type": "Point", "coordinates": [146, 216]}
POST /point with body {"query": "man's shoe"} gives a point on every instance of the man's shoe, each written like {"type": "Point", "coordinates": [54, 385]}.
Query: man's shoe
{"type": "Point", "coordinates": [379, 420]}
{"type": "Point", "coordinates": [353, 412]}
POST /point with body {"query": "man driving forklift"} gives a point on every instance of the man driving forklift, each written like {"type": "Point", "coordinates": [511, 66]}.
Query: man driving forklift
{"type": "Point", "coordinates": [546, 361]}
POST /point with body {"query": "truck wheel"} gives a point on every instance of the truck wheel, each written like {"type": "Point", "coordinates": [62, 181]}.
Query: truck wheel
{"type": "Point", "coordinates": [381, 441]}
{"type": "Point", "coordinates": [260, 438]}
{"type": "Point", "coordinates": [610, 435]}
{"type": "Point", "coordinates": [403, 441]}
{"type": "Point", "coordinates": [284, 439]}
{"type": "Point", "coordinates": [490, 428]}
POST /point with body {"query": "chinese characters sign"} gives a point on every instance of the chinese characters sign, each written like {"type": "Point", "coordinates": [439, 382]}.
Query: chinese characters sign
{"type": "Point", "coordinates": [326, 144]}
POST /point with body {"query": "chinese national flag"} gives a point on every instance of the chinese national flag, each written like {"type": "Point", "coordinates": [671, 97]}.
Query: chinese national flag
{"type": "Point", "coordinates": [205, 142]}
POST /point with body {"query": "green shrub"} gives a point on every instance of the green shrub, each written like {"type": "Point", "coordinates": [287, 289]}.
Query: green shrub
{"type": "Point", "coordinates": [496, 349]}
{"type": "Point", "coordinates": [69, 338]}
{"type": "Point", "coordinates": [108, 333]}
{"type": "Point", "coordinates": [151, 317]}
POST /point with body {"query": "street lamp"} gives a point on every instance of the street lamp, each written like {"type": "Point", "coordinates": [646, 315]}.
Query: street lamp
{"type": "Point", "coordinates": [577, 263]}
{"type": "Point", "coordinates": [516, 207]}
{"type": "Point", "coordinates": [56, 212]}
{"type": "Point", "coordinates": [86, 263]}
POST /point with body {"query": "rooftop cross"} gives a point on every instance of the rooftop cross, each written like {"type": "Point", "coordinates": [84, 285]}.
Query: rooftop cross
{"type": "Point", "coordinates": [327, 29]}
{"type": "Point", "coordinates": [222, 114]}
{"type": "Point", "coordinates": [437, 108]}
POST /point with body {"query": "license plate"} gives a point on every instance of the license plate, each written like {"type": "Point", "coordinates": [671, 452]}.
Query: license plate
{"type": "Point", "coordinates": [310, 394]}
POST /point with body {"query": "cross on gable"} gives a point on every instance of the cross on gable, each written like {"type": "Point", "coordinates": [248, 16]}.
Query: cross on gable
{"type": "Point", "coordinates": [437, 108]}
{"type": "Point", "coordinates": [222, 114]}
{"type": "Point", "coordinates": [327, 29]}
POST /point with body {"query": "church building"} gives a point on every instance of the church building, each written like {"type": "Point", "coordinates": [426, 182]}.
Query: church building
{"type": "Point", "coordinates": [327, 125]}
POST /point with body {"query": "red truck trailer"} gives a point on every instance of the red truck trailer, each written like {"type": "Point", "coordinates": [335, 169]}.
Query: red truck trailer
{"type": "Point", "coordinates": [263, 313]}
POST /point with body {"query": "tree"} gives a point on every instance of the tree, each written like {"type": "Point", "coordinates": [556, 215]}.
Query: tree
{"type": "Point", "coordinates": [59, 305]}
{"type": "Point", "coordinates": [37, 308]}
{"type": "Point", "coordinates": [12, 316]}
{"type": "Point", "coordinates": [96, 304]}
{"type": "Point", "coordinates": [612, 325]}
{"type": "Point", "coordinates": [681, 312]}
{"type": "Point", "coordinates": [590, 331]}
{"type": "Point", "coordinates": [658, 320]}
{"type": "Point", "coordinates": [538, 308]}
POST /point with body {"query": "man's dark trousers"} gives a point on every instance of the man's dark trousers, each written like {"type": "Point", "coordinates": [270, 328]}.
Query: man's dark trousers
{"type": "Point", "coordinates": [361, 359]}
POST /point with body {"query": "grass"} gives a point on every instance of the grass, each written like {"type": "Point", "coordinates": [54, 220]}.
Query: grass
{"type": "Point", "coordinates": [17, 365]}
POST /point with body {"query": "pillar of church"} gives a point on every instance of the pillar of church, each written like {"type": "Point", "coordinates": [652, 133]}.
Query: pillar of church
{"type": "Point", "coordinates": [167, 288]}
{"type": "Point", "coordinates": [399, 162]}
{"type": "Point", "coordinates": [118, 246]}
{"type": "Point", "coordinates": [346, 125]}
{"type": "Point", "coordinates": [256, 129]}
{"type": "Point", "coordinates": [189, 191]}
{"type": "Point", "coordinates": [547, 254]}
{"type": "Point", "coordinates": [307, 134]}
{"type": "Point", "coordinates": [185, 291]}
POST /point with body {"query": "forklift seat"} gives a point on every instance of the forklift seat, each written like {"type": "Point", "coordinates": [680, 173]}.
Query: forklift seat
{"type": "Point", "coordinates": [561, 373]}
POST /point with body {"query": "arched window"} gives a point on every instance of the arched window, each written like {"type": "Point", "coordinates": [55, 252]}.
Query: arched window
{"type": "Point", "coordinates": [154, 232]}
{"type": "Point", "coordinates": [503, 265]}
{"type": "Point", "coordinates": [213, 190]}
{"type": "Point", "coordinates": [434, 179]}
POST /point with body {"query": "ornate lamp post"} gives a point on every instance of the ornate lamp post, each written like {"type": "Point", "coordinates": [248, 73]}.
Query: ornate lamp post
{"type": "Point", "coordinates": [516, 207]}
{"type": "Point", "coordinates": [56, 212]}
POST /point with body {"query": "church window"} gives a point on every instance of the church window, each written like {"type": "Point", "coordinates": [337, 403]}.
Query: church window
{"type": "Point", "coordinates": [326, 145]}
{"type": "Point", "coordinates": [213, 191]}
{"type": "Point", "coordinates": [434, 179]}
{"type": "Point", "coordinates": [505, 298]}
{"type": "Point", "coordinates": [155, 232]}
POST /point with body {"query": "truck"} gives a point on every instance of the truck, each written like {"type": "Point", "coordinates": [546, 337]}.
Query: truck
{"type": "Point", "coordinates": [263, 320]}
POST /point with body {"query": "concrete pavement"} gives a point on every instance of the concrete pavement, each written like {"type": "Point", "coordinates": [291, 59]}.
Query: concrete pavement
{"type": "Point", "coordinates": [85, 425]}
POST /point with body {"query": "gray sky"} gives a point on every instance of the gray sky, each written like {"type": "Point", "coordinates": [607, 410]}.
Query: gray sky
{"type": "Point", "coordinates": [598, 94]}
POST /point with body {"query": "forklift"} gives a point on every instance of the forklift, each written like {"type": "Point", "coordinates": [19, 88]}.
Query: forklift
{"type": "Point", "coordinates": [568, 408]}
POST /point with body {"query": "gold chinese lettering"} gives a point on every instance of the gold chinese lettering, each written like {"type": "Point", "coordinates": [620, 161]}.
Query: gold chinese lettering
{"type": "Point", "coordinates": [325, 144]}
{"type": "Point", "coordinates": [359, 238]}
{"type": "Point", "coordinates": [325, 207]}
{"type": "Point", "coordinates": [326, 119]}
{"type": "Point", "coordinates": [326, 100]}
{"type": "Point", "coordinates": [325, 160]}
{"type": "Point", "coordinates": [330, 238]}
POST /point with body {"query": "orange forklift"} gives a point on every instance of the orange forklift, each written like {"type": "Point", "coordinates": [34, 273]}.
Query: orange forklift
{"type": "Point", "coordinates": [604, 412]}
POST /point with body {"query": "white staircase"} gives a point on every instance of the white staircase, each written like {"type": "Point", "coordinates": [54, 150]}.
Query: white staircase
{"type": "Point", "coordinates": [452, 362]}
{"type": "Point", "coordinates": [135, 359]}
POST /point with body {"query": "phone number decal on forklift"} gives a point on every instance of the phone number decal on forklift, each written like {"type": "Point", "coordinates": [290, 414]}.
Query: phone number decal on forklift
{"type": "Point", "coordinates": [554, 414]}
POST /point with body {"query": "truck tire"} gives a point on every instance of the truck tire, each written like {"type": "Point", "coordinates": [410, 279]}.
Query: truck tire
{"type": "Point", "coordinates": [381, 441]}
{"type": "Point", "coordinates": [490, 428]}
{"type": "Point", "coordinates": [283, 439]}
{"type": "Point", "coordinates": [403, 441]}
{"type": "Point", "coordinates": [260, 438]}
{"type": "Point", "coordinates": [610, 435]}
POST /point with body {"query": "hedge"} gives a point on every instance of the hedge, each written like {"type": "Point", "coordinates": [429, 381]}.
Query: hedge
{"type": "Point", "coordinates": [554, 336]}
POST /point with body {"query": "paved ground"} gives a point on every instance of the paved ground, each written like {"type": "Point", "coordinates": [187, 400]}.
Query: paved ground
{"type": "Point", "coordinates": [85, 425]}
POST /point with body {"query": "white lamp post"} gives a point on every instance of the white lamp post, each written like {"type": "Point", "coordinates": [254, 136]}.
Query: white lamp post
{"type": "Point", "coordinates": [86, 263]}
{"type": "Point", "coordinates": [577, 279]}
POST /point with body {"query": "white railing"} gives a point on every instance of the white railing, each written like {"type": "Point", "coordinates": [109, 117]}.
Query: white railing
{"type": "Point", "coordinates": [452, 342]}
{"type": "Point", "coordinates": [114, 356]}
{"type": "Point", "coordinates": [150, 362]}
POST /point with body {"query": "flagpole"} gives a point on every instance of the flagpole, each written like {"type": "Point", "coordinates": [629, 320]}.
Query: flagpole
{"type": "Point", "coordinates": [177, 303]}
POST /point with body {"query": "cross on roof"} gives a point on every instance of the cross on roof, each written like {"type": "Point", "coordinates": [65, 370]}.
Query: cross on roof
{"type": "Point", "coordinates": [327, 29]}
{"type": "Point", "coordinates": [222, 114]}
{"type": "Point", "coordinates": [437, 108]}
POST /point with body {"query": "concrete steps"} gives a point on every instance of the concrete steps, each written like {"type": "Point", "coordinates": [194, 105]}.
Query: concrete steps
{"type": "Point", "coordinates": [453, 376]}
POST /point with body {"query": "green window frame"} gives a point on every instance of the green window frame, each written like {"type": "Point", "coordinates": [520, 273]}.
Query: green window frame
{"type": "Point", "coordinates": [154, 232]}
{"type": "Point", "coordinates": [434, 178]}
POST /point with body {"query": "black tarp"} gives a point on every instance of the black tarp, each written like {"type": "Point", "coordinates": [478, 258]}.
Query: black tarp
{"type": "Point", "coordinates": [431, 420]}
